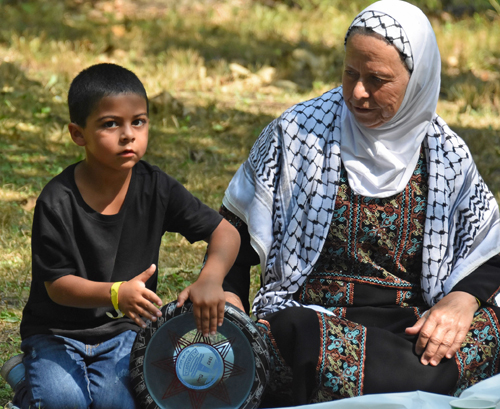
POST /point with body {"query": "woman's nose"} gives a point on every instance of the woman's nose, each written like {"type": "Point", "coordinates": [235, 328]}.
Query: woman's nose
{"type": "Point", "coordinates": [360, 91]}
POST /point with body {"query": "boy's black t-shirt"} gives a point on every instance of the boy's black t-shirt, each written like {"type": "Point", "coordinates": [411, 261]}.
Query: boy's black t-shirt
{"type": "Point", "coordinates": [69, 237]}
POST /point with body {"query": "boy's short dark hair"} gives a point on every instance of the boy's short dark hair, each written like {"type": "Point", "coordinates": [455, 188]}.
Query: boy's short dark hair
{"type": "Point", "coordinates": [96, 82]}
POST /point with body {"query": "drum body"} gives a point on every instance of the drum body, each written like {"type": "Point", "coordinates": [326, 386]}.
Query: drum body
{"type": "Point", "coordinates": [173, 366]}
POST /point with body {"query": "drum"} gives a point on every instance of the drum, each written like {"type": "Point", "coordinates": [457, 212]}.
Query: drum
{"type": "Point", "coordinates": [173, 366]}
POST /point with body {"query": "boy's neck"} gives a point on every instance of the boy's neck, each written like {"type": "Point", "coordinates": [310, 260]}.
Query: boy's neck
{"type": "Point", "coordinates": [103, 190]}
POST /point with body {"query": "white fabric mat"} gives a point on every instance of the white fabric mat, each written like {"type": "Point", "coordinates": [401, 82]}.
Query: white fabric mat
{"type": "Point", "coordinates": [488, 389]}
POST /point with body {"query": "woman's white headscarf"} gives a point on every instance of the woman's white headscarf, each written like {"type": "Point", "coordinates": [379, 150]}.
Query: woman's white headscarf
{"type": "Point", "coordinates": [380, 161]}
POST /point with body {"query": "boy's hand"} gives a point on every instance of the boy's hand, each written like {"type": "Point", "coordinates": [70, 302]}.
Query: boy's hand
{"type": "Point", "coordinates": [206, 293]}
{"type": "Point", "coordinates": [136, 301]}
{"type": "Point", "coordinates": [208, 301]}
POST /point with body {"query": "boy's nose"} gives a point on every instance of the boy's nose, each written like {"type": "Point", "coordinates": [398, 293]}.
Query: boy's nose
{"type": "Point", "coordinates": [127, 133]}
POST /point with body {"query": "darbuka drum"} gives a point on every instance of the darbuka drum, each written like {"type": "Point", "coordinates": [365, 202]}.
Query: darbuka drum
{"type": "Point", "coordinates": [172, 366]}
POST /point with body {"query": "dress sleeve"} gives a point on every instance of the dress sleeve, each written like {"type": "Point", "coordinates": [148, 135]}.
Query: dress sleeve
{"type": "Point", "coordinates": [237, 279]}
{"type": "Point", "coordinates": [484, 282]}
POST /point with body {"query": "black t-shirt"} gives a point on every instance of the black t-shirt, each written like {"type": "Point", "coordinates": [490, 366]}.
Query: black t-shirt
{"type": "Point", "coordinates": [69, 237]}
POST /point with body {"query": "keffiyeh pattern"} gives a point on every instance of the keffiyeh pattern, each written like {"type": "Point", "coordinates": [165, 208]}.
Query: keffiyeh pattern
{"type": "Point", "coordinates": [462, 223]}
{"type": "Point", "coordinates": [290, 182]}
{"type": "Point", "coordinates": [285, 192]}
{"type": "Point", "coordinates": [388, 28]}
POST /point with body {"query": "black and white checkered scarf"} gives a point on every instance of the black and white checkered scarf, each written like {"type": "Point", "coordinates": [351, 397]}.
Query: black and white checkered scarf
{"type": "Point", "coordinates": [286, 192]}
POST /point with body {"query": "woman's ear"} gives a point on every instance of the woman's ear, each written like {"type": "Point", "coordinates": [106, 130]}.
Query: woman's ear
{"type": "Point", "coordinates": [76, 132]}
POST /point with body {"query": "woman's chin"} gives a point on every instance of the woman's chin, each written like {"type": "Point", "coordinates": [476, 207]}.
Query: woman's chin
{"type": "Point", "coordinates": [368, 121]}
{"type": "Point", "coordinates": [369, 118]}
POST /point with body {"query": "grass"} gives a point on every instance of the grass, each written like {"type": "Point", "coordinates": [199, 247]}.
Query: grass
{"type": "Point", "coordinates": [217, 72]}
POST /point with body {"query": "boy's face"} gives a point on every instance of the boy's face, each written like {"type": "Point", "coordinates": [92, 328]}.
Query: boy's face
{"type": "Point", "coordinates": [116, 133]}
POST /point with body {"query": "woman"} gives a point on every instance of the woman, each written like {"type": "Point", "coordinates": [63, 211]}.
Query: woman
{"type": "Point", "coordinates": [376, 235]}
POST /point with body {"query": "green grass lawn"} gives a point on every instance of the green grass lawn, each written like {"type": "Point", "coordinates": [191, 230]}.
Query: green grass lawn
{"type": "Point", "coordinates": [216, 72]}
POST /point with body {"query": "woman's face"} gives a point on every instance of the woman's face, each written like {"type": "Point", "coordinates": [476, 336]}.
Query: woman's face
{"type": "Point", "coordinates": [374, 80]}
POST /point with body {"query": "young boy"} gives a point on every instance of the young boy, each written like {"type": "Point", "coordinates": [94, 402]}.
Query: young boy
{"type": "Point", "coordinates": [95, 245]}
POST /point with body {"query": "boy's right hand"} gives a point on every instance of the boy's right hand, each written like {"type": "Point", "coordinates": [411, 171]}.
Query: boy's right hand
{"type": "Point", "coordinates": [136, 301]}
{"type": "Point", "coordinates": [208, 301]}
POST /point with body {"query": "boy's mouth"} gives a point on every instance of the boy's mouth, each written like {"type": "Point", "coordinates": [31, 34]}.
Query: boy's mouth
{"type": "Point", "coordinates": [127, 152]}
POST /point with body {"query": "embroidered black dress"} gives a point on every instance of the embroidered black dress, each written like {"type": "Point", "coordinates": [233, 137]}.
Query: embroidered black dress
{"type": "Point", "coordinates": [368, 275]}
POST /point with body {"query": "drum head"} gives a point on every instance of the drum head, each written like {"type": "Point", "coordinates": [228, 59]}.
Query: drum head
{"type": "Point", "coordinates": [172, 366]}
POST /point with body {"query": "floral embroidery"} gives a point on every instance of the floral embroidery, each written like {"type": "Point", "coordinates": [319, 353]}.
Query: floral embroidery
{"type": "Point", "coordinates": [338, 311]}
{"type": "Point", "coordinates": [342, 356]}
{"type": "Point", "coordinates": [383, 239]}
{"type": "Point", "coordinates": [479, 355]}
{"type": "Point", "coordinates": [403, 298]}
{"type": "Point", "coordinates": [371, 241]}
{"type": "Point", "coordinates": [323, 289]}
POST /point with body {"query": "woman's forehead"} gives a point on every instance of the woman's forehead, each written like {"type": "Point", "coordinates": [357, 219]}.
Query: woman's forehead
{"type": "Point", "coordinates": [385, 27]}
{"type": "Point", "coordinates": [373, 52]}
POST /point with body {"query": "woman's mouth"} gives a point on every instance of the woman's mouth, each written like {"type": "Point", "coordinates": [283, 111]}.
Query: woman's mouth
{"type": "Point", "coordinates": [361, 110]}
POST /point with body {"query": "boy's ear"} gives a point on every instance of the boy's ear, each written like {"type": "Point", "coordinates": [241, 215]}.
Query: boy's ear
{"type": "Point", "coordinates": [76, 133]}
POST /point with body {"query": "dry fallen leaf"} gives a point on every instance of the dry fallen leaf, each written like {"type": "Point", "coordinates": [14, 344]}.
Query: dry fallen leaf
{"type": "Point", "coordinates": [28, 204]}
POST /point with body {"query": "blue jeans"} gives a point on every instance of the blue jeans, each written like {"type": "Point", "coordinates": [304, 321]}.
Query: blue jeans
{"type": "Point", "coordinates": [64, 373]}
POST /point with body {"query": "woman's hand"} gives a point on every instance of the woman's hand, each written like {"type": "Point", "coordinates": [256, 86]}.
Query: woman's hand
{"type": "Point", "coordinates": [234, 299]}
{"type": "Point", "coordinates": [443, 328]}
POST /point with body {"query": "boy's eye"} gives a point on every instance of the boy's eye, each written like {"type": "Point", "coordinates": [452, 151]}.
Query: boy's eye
{"type": "Point", "coordinates": [139, 122]}
{"type": "Point", "coordinates": [110, 124]}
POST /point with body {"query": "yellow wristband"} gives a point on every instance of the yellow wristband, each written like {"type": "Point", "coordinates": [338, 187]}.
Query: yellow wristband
{"type": "Point", "coordinates": [478, 302]}
{"type": "Point", "coordinates": [114, 299]}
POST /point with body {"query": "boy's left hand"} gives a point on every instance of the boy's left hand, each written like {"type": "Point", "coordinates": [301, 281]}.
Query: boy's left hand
{"type": "Point", "coordinates": [208, 300]}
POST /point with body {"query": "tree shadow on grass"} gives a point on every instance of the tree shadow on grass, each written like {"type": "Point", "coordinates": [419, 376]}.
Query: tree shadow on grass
{"type": "Point", "coordinates": [52, 20]}
{"type": "Point", "coordinates": [194, 146]}
{"type": "Point", "coordinates": [67, 22]}
{"type": "Point", "coordinates": [471, 91]}
{"type": "Point", "coordinates": [303, 63]}
{"type": "Point", "coordinates": [35, 145]}
{"type": "Point", "coordinates": [31, 123]}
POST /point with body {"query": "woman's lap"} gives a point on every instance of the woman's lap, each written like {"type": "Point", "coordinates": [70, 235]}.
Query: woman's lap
{"type": "Point", "coordinates": [351, 359]}
{"type": "Point", "coordinates": [62, 372]}
{"type": "Point", "coordinates": [293, 338]}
